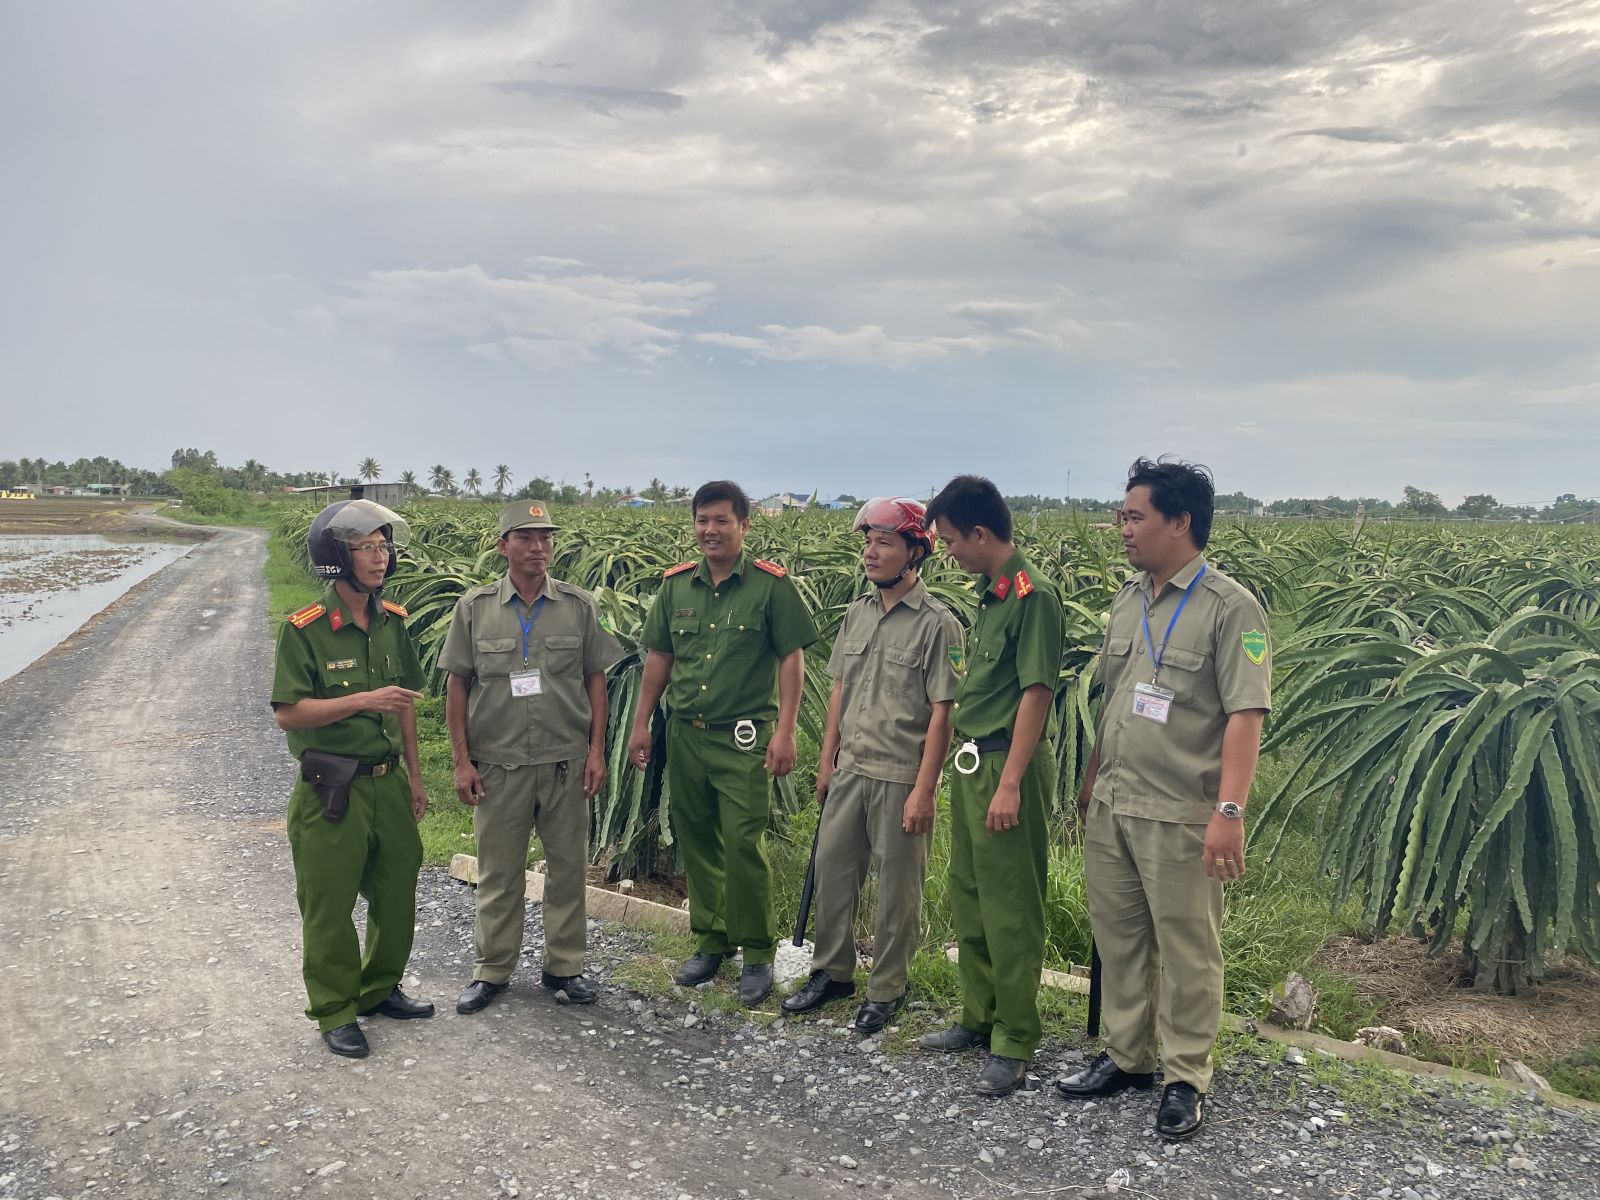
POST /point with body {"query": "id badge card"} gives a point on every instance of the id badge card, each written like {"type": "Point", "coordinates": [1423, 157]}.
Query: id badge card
{"type": "Point", "coordinates": [1151, 702]}
{"type": "Point", "coordinates": [526, 683]}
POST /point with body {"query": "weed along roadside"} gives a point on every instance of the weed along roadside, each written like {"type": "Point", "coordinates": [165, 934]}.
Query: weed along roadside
{"type": "Point", "coordinates": [1459, 613]}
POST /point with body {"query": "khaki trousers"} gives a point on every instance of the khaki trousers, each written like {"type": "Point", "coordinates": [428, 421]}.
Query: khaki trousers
{"type": "Point", "coordinates": [549, 798]}
{"type": "Point", "coordinates": [860, 827]}
{"type": "Point", "coordinates": [1158, 924]}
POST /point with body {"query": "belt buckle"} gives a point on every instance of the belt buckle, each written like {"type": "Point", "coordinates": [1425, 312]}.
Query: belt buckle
{"type": "Point", "coordinates": [968, 753]}
{"type": "Point", "coordinates": [744, 734]}
{"type": "Point", "coordinates": [379, 770]}
{"type": "Point", "coordinates": [698, 724]}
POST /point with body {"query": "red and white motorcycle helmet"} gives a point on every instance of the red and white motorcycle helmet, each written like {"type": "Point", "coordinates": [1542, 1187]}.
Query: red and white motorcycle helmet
{"type": "Point", "coordinates": [886, 514]}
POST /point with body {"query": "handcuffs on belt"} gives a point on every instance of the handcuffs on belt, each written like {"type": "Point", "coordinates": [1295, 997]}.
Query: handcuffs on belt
{"type": "Point", "coordinates": [744, 734]}
{"type": "Point", "coordinates": [968, 753]}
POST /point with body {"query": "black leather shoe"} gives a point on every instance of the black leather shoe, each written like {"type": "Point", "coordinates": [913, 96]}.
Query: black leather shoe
{"type": "Point", "coordinates": [347, 1041]}
{"type": "Point", "coordinates": [755, 983]}
{"type": "Point", "coordinates": [875, 1014]}
{"type": "Point", "coordinates": [953, 1040]}
{"type": "Point", "coordinates": [817, 991]}
{"type": "Point", "coordinates": [569, 989]}
{"type": "Point", "coordinates": [1103, 1077]}
{"type": "Point", "coordinates": [476, 995]}
{"type": "Point", "coordinates": [400, 1007]}
{"type": "Point", "coordinates": [1001, 1076]}
{"type": "Point", "coordinates": [698, 969]}
{"type": "Point", "coordinates": [1182, 1112]}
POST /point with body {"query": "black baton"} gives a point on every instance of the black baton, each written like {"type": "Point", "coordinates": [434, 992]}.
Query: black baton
{"type": "Point", "coordinates": [1094, 990]}
{"type": "Point", "coordinates": [809, 886]}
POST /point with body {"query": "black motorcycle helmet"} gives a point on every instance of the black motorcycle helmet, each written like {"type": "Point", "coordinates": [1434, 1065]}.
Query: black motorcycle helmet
{"type": "Point", "coordinates": [337, 526]}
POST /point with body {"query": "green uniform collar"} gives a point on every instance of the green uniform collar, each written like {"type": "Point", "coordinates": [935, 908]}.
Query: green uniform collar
{"type": "Point", "coordinates": [1003, 583]}
{"type": "Point", "coordinates": [1181, 580]}
{"type": "Point", "coordinates": [507, 590]}
{"type": "Point", "coordinates": [702, 573]}
{"type": "Point", "coordinates": [334, 603]}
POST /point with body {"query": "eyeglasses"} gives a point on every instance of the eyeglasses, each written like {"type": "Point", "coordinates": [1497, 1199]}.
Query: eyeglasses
{"type": "Point", "coordinates": [383, 548]}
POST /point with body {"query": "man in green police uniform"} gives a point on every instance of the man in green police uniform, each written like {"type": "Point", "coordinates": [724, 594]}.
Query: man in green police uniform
{"type": "Point", "coordinates": [895, 668]}
{"type": "Point", "coordinates": [525, 704]}
{"type": "Point", "coordinates": [1004, 781]}
{"type": "Point", "coordinates": [1187, 670]}
{"type": "Point", "coordinates": [345, 681]}
{"type": "Point", "coordinates": [724, 635]}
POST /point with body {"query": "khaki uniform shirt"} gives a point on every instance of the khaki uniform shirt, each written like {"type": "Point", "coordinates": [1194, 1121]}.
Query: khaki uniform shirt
{"type": "Point", "coordinates": [322, 653]}
{"type": "Point", "coordinates": [1218, 661]}
{"type": "Point", "coordinates": [1017, 641]}
{"type": "Point", "coordinates": [726, 639]}
{"type": "Point", "coordinates": [893, 667]}
{"type": "Point", "coordinates": [565, 645]}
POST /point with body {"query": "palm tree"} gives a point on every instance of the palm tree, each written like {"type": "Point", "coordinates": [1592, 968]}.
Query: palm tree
{"type": "Point", "coordinates": [473, 481]}
{"type": "Point", "coordinates": [408, 480]}
{"type": "Point", "coordinates": [502, 479]}
{"type": "Point", "coordinates": [439, 477]}
{"type": "Point", "coordinates": [447, 481]}
{"type": "Point", "coordinates": [588, 487]}
{"type": "Point", "coordinates": [369, 469]}
{"type": "Point", "coordinates": [255, 474]}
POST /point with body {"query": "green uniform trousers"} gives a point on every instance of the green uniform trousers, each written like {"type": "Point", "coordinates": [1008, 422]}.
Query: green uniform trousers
{"type": "Point", "coordinates": [374, 852]}
{"type": "Point", "coordinates": [1158, 925]}
{"type": "Point", "coordinates": [997, 895]}
{"type": "Point", "coordinates": [548, 797]}
{"type": "Point", "coordinates": [721, 803]}
{"type": "Point", "coordinates": [860, 827]}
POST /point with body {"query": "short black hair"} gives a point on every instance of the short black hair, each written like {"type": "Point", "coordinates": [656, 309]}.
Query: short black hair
{"type": "Point", "coordinates": [1178, 487]}
{"type": "Point", "coordinates": [722, 489]}
{"type": "Point", "coordinates": [968, 501]}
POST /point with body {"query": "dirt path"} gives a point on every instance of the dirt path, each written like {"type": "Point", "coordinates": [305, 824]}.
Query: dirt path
{"type": "Point", "coordinates": [154, 1044]}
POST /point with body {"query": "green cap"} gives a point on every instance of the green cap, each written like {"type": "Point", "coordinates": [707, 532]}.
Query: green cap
{"type": "Point", "coordinates": [526, 514]}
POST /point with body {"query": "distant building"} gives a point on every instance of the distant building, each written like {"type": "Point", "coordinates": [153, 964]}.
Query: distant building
{"type": "Point", "coordinates": [783, 502]}
{"type": "Point", "coordinates": [635, 502]}
{"type": "Point", "coordinates": [390, 495]}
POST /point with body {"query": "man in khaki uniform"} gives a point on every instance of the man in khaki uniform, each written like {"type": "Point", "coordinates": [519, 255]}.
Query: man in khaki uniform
{"type": "Point", "coordinates": [1187, 670]}
{"type": "Point", "coordinates": [525, 703]}
{"type": "Point", "coordinates": [894, 666]}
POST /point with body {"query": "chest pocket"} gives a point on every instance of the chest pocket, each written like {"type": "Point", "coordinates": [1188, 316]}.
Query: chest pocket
{"type": "Point", "coordinates": [852, 659]}
{"type": "Point", "coordinates": [344, 680]}
{"type": "Point", "coordinates": [1183, 671]}
{"type": "Point", "coordinates": [744, 634]}
{"type": "Point", "coordinates": [562, 652]}
{"type": "Point", "coordinates": [902, 670]}
{"type": "Point", "coordinates": [496, 656]}
{"type": "Point", "coordinates": [684, 632]}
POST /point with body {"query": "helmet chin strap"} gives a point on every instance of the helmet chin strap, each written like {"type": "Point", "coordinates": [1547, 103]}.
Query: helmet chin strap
{"type": "Point", "coordinates": [911, 565]}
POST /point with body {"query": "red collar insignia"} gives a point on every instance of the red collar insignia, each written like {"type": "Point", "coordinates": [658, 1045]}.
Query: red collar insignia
{"type": "Point", "coordinates": [335, 619]}
{"type": "Point", "coordinates": [1002, 587]}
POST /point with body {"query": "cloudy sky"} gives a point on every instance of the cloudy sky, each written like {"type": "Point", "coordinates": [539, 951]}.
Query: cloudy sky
{"type": "Point", "coordinates": [833, 244]}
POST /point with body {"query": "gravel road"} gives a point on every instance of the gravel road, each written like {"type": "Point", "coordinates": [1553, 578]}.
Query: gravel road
{"type": "Point", "coordinates": [156, 1046]}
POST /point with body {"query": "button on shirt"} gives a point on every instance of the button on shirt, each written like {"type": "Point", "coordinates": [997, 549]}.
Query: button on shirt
{"type": "Point", "coordinates": [1016, 642]}
{"type": "Point", "coordinates": [726, 639]}
{"type": "Point", "coordinates": [565, 645]}
{"type": "Point", "coordinates": [893, 667]}
{"type": "Point", "coordinates": [333, 656]}
{"type": "Point", "coordinates": [1218, 661]}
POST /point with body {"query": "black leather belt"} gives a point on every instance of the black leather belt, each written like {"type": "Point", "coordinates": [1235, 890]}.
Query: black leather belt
{"type": "Point", "coordinates": [377, 769]}
{"type": "Point", "coordinates": [971, 750]}
{"type": "Point", "coordinates": [996, 741]}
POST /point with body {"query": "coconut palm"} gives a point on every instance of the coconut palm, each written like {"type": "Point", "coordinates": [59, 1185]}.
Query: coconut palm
{"type": "Point", "coordinates": [502, 479]}
{"type": "Point", "coordinates": [408, 480]}
{"type": "Point", "coordinates": [439, 477]}
{"type": "Point", "coordinates": [473, 481]}
{"type": "Point", "coordinates": [369, 469]}
{"type": "Point", "coordinates": [447, 481]}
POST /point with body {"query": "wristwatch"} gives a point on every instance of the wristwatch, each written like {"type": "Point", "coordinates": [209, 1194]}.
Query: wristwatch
{"type": "Point", "coordinates": [1230, 810]}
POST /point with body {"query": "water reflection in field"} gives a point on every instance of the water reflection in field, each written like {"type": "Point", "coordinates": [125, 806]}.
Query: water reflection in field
{"type": "Point", "coordinates": [49, 586]}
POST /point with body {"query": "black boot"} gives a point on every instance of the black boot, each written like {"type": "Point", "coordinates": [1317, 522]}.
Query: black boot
{"type": "Point", "coordinates": [1001, 1076]}
{"type": "Point", "coordinates": [1182, 1111]}
{"type": "Point", "coordinates": [1102, 1077]}
{"type": "Point", "coordinates": [398, 1006]}
{"type": "Point", "coordinates": [569, 989]}
{"type": "Point", "coordinates": [755, 983]}
{"type": "Point", "coordinates": [875, 1014]}
{"type": "Point", "coordinates": [953, 1040]}
{"type": "Point", "coordinates": [817, 991]}
{"type": "Point", "coordinates": [476, 995]}
{"type": "Point", "coordinates": [698, 969]}
{"type": "Point", "coordinates": [347, 1041]}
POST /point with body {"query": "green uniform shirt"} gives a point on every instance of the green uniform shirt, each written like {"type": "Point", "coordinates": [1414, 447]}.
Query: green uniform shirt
{"type": "Point", "coordinates": [1017, 641]}
{"type": "Point", "coordinates": [1218, 661]}
{"type": "Point", "coordinates": [564, 645]}
{"type": "Point", "coordinates": [327, 654]}
{"type": "Point", "coordinates": [726, 640]}
{"type": "Point", "coordinates": [893, 667]}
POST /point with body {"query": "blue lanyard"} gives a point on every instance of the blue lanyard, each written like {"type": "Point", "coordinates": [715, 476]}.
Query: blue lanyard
{"type": "Point", "coordinates": [1171, 625]}
{"type": "Point", "coordinates": [527, 626]}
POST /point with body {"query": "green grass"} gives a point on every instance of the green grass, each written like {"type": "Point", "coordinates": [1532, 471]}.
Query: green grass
{"type": "Point", "coordinates": [289, 586]}
{"type": "Point", "coordinates": [259, 514]}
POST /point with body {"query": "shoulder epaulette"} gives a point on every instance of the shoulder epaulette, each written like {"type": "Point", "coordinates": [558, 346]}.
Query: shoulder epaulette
{"type": "Point", "coordinates": [679, 569]}
{"type": "Point", "coordinates": [772, 568]}
{"type": "Point", "coordinates": [1024, 584]}
{"type": "Point", "coordinates": [397, 609]}
{"type": "Point", "coordinates": [306, 615]}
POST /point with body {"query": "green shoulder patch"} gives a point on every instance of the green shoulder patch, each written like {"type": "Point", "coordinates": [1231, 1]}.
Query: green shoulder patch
{"type": "Point", "coordinates": [1255, 645]}
{"type": "Point", "coordinates": [958, 659]}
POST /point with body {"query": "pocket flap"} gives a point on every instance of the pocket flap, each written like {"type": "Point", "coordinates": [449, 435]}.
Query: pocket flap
{"type": "Point", "coordinates": [854, 647]}
{"type": "Point", "coordinates": [1183, 660]}
{"type": "Point", "coordinates": [503, 645]}
{"type": "Point", "coordinates": [563, 641]}
{"type": "Point", "coordinates": [905, 658]}
{"type": "Point", "coordinates": [685, 625]}
{"type": "Point", "coordinates": [1118, 646]}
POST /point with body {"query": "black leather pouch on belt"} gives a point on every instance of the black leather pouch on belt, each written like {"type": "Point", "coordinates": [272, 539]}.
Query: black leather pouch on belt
{"type": "Point", "coordinates": [330, 777]}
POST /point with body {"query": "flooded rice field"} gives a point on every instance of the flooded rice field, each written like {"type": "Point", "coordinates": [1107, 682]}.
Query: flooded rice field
{"type": "Point", "coordinates": [50, 585]}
